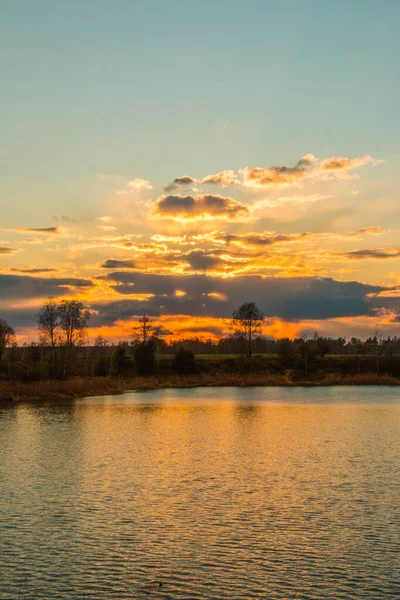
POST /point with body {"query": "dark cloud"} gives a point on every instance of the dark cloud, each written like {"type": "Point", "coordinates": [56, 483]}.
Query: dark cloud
{"type": "Point", "coordinates": [287, 298]}
{"type": "Point", "coordinates": [22, 287]}
{"type": "Point", "coordinates": [259, 239]}
{"type": "Point", "coordinates": [19, 318]}
{"type": "Point", "coordinates": [211, 205]}
{"type": "Point", "coordinates": [201, 260]}
{"type": "Point", "coordinates": [5, 250]}
{"type": "Point", "coordinates": [378, 254]}
{"type": "Point", "coordinates": [180, 181]}
{"type": "Point", "coordinates": [114, 263]}
{"type": "Point", "coordinates": [38, 230]}
{"type": "Point", "coordinates": [34, 270]}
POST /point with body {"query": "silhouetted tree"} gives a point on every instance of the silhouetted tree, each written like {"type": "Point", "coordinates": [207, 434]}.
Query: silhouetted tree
{"type": "Point", "coordinates": [49, 328]}
{"type": "Point", "coordinates": [320, 345]}
{"type": "Point", "coordinates": [145, 331]}
{"type": "Point", "coordinates": [49, 322]}
{"type": "Point", "coordinates": [247, 323]}
{"type": "Point", "coordinates": [73, 322]}
{"type": "Point", "coordinates": [7, 336]}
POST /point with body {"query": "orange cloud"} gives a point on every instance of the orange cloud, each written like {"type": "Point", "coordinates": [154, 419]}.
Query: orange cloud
{"type": "Point", "coordinates": [38, 230]}
{"type": "Point", "coordinates": [276, 176]}
{"type": "Point", "coordinates": [223, 179]}
{"type": "Point", "coordinates": [6, 250]}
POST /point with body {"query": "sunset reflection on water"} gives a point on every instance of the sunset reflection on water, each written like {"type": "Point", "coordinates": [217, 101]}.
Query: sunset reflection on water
{"type": "Point", "coordinates": [229, 493]}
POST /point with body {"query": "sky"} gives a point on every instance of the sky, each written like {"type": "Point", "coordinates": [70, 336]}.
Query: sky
{"type": "Point", "coordinates": [180, 158]}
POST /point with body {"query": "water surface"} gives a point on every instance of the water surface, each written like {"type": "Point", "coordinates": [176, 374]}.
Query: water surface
{"type": "Point", "coordinates": [214, 493]}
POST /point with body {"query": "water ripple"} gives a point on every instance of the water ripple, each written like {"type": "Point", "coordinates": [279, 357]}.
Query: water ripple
{"type": "Point", "coordinates": [180, 496]}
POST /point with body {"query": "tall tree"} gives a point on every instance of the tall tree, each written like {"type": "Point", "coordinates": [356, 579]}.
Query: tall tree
{"type": "Point", "coordinates": [73, 322]}
{"type": "Point", "coordinates": [7, 336]}
{"type": "Point", "coordinates": [49, 323]}
{"type": "Point", "coordinates": [247, 322]}
{"type": "Point", "coordinates": [145, 331]}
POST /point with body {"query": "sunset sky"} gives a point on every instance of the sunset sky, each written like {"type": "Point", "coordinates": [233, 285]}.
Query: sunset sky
{"type": "Point", "coordinates": [179, 158]}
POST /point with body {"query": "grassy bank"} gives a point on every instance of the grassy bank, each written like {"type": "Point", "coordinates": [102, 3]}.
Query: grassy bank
{"type": "Point", "coordinates": [80, 387]}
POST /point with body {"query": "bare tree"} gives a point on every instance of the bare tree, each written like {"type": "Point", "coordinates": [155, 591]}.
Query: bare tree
{"type": "Point", "coordinates": [73, 322]}
{"type": "Point", "coordinates": [100, 342]}
{"type": "Point", "coordinates": [7, 336]}
{"type": "Point", "coordinates": [247, 322]}
{"type": "Point", "coordinates": [145, 331]}
{"type": "Point", "coordinates": [49, 323]}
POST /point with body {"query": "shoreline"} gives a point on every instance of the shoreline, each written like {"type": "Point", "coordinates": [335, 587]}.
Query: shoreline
{"type": "Point", "coordinates": [16, 392]}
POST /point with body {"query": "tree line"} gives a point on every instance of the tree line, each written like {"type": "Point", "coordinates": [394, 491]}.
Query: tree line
{"type": "Point", "coordinates": [63, 349]}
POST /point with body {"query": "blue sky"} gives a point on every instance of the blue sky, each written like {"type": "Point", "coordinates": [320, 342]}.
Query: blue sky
{"type": "Point", "coordinates": [95, 93]}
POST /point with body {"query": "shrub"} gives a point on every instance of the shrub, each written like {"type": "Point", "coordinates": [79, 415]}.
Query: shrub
{"type": "Point", "coordinates": [184, 362]}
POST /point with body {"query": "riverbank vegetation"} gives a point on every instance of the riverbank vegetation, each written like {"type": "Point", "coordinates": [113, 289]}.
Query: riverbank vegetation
{"type": "Point", "coordinates": [63, 365]}
{"type": "Point", "coordinates": [80, 387]}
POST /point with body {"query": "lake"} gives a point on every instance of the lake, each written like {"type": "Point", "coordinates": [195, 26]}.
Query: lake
{"type": "Point", "coordinates": [212, 493]}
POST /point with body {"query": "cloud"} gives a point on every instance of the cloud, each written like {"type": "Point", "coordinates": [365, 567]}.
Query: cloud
{"type": "Point", "coordinates": [376, 254]}
{"type": "Point", "coordinates": [201, 260]}
{"type": "Point", "coordinates": [184, 240]}
{"type": "Point", "coordinates": [113, 263]}
{"type": "Point", "coordinates": [223, 179]}
{"type": "Point", "coordinates": [296, 200]}
{"type": "Point", "coordinates": [289, 299]}
{"type": "Point", "coordinates": [34, 270]}
{"type": "Point", "coordinates": [23, 287]}
{"type": "Point", "coordinates": [260, 239]}
{"type": "Point", "coordinates": [106, 227]}
{"type": "Point", "coordinates": [38, 230]}
{"type": "Point", "coordinates": [32, 240]}
{"type": "Point", "coordinates": [345, 164]}
{"type": "Point", "coordinates": [6, 250]}
{"type": "Point", "coordinates": [277, 175]}
{"type": "Point", "coordinates": [135, 185]}
{"type": "Point", "coordinates": [366, 231]}
{"type": "Point", "coordinates": [180, 181]}
{"type": "Point", "coordinates": [122, 242]}
{"type": "Point", "coordinates": [205, 205]}
{"type": "Point", "coordinates": [66, 219]}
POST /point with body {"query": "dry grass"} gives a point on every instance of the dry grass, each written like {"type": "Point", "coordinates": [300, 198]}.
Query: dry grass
{"type": "Point", "coordinates": [78, 387]}
{"type": "Point", "coordinates": [96, 386]}
{"type": "Point", "coordinates": [359, 379]}
{"type": "Point", "coordinates": [209, 380]}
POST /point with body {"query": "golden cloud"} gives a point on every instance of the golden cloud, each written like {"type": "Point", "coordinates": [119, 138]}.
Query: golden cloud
{"type": "Point", "coordinates": [223, 179]}
{"type": "Point", "coordinates": [202, 206]}
{"type": "Point", "coordinates": [6, 250]}
{"type": "Point", "coordinates": [345, 164]}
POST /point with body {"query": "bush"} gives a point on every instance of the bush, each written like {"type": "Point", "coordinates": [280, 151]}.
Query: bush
{"type": "Point", "coordinates": [184, 362]}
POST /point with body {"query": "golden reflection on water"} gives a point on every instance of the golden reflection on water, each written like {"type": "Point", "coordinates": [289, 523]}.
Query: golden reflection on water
{"type": "Point", "coordinates": [216, 493]}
